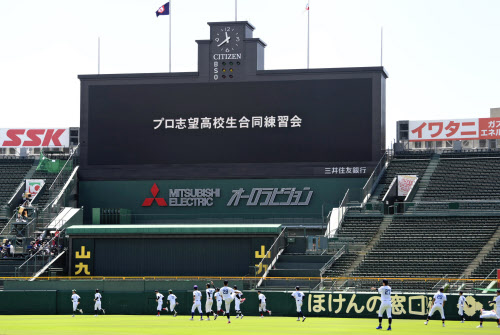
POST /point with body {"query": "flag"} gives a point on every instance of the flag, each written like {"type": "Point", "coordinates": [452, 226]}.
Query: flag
{"type": "Point", "coordinates": [163, 10]}
{"type": "Point", "coordinates": [307, 7]}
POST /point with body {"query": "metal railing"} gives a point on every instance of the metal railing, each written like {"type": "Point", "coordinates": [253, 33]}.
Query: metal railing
{"type": "Point", "coordinates": [438, 284]}
{"type": "Point", "coordinates": [456, 283]}
{"type": "Point", "coordinates": [374, 179]}
{"type": "Point", "coordinates": [342, 209]}
{"type": "Point", "coordinates": [65, 175]}
{"type": "Point", "coordinates": [328, 264]}
{"type": "Point", "coordinates": [270, 256]}
{"type": "Point", "coordinates": [352, 284]}
{"type": "Point", "coordinates": [404, 285]}
{"type": "Point", "coordinates": [488, 276]}
{"type": "Point", "coordinates": [38, 260]}
{"type": "Point", "coordinates": [332, 260]}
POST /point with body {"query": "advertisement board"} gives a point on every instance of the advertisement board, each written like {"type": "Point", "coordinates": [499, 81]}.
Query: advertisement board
{"type": "Point", "coordinates": [405, 183]}
{"type": "Point", "coordinates": [454, 129]}
{"type": "Point", "coordinates": [34, 186]}
{"type": "Point", "coordinates": [34, 138]}
{"type": "Point", "coordinates": [170, 200]}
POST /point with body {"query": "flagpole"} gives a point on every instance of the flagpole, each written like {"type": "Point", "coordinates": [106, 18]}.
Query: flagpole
{"type": "Point", "coordinates": [235, 10]}
{"type": "Point", "coordinates": [99, 55]}
{"type": "Point", "coordinates": [308, 10]}
{"type": "Point", "coordinates": [381, 44]}
{"type": "Point", "coordinates": [170, 36]}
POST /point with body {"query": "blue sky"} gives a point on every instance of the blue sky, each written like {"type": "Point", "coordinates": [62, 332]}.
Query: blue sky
{"type": "Point", "coordinates": [442, 56]}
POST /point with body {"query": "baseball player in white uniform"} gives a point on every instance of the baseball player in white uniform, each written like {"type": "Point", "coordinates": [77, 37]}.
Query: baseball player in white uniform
{"type": "Point", "coordinates": [385, 303]}
{"type": "Point", "coordinates": [97, 304]}
{"type": "Point", "coordinates": [461, 303]}
{"type": "Point", "coordinates": [159, 300]}
{"type": "Point", "coordinates": [491, 314]}
{"type": "Point", "coordinates": [299, 298]}
{"type": "Point", "coordinates": [75, 298]}
{"type": "Point", "coordinates": [262, 304]}
{"type": "Point", "coordinates": [218, 298]}
{"type": "Point", "coordinates": [173, 302]}
{"type": "Point", "coordinates": [438, 305]}
{"type": "Point", "coordinates": [196, 303]}
{"type": "Point", "coordinates": [238, 301]}
{"type": "Point", "coordinates": [210, 292]}
{"type": "Point", "coordinates": [227, 296]}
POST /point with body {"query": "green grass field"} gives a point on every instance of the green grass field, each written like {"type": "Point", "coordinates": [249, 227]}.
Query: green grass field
{"type": "Point", "coordinates": [125, 324]}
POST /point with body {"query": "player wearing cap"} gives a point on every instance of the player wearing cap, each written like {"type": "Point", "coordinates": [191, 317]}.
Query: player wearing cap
{"type": "Point", "coordinates": [238, 300]}
{"type": "Point", "coordinates": [173, 302]}
{"type": "Point", "coordinates": [461, 303]}
{"type": "Point", "coordinates": [210, 301]}
{"type": "Point", "coordinates": [75, 298]}
{"type": "Point", "coordinates": [385, 303]}
{"type": "Point", "coordinates": [196, 303]}
{"type": "Point", "coordinates": [227, 296]}
{"type": "Point", "coordinates": [218, 298]}
{"type": "Point", "coordinates": [438, 305]}
{"type": "Point", "coordinates": [97, 305]}
{"type": "Point", "coordinates": [159, 300]}
{"type": "Point", "coordinates": [491, 314]}
{"type": "Point", "coordinates": [299, 298]}
{"type": "Point", "coordinates": [262, 304]}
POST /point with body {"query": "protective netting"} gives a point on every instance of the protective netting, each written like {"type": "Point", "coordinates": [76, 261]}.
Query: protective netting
{"type": "Point", "coordinates": [53, 165]}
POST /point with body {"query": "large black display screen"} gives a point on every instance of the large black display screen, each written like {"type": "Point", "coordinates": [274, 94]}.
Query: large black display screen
{"type": "Point", "coordinates": [240, 122]}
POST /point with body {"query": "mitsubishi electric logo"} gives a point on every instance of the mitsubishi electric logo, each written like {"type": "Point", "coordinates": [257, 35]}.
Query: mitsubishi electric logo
{"type": "Point", "coordinates": [258, 196]}
{"type": "Point", "coordinates": [184, 197]}
{"type": "Point", "coordinates": [149, 201]}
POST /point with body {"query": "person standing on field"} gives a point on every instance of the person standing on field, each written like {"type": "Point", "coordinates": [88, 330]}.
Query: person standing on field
{"type": "Point", "coordinates": [75, 298]}
{"type": "Point", "coordinates": [386, 303]}
{"type": "Point", "coordinates": [159, 300]}
{"type": "Point", "coordinates": [438, 305]}
{"type": "Point", "coordinates": [97, 305]}
{"type": "Point", "coordinates": [299, 298]}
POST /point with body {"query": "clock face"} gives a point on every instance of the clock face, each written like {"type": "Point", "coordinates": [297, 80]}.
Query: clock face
{"type": "Point", "coordinates": [227, 39]}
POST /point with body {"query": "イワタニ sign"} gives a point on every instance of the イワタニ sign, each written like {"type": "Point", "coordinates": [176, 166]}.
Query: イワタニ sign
{"type": "Point", "coordinates": [34, 138]}
{"type": "Point", "coordinates": [454, 129]}
{"type": "Point", "coordinates": [405, 183]}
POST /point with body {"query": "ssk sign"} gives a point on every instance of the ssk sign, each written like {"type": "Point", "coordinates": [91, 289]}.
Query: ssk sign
{"type": "Point", "coordinates": [34, 138]}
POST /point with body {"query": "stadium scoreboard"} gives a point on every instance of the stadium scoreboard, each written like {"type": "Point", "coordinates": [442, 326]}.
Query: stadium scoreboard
{"type": "Point", "coordinates": [232, 118]}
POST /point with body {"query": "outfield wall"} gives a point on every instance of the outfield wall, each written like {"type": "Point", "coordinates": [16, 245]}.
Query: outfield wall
{"type": "Point", "coordinates": [405, 306]}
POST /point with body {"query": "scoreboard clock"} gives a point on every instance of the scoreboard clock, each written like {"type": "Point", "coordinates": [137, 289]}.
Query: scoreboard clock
{"type": "Point", "coordinates": [227, 49]}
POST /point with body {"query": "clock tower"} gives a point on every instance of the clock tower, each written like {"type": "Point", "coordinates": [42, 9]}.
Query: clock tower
{"type": "Point", "coordinates": [233, 53]}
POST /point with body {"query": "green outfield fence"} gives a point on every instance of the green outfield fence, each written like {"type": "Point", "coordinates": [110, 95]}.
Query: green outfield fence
{"type": "Point", "coordinates": [316, 303]}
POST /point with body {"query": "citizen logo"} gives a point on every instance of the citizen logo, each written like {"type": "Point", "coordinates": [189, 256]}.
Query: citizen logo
{"type": "Point", "coordinates": [226, 56]}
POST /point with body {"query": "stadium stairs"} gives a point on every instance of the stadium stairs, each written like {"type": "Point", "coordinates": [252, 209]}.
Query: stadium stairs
{"type": "Point", "coordinates": [426, 177]}
{"type": "Point", "coordinates": [296, 265]}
